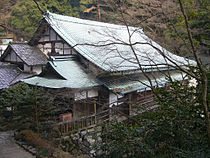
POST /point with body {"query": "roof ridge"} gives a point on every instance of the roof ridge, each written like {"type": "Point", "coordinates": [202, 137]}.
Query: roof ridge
{"type": "Point", "coordinates": [63, 58]}
{"type": "Point", "coordinates": [86, 21]}
{"type": "Point", "coordinates": [18, 42]}
{"type": "Point", "coordinates": [7, 64]}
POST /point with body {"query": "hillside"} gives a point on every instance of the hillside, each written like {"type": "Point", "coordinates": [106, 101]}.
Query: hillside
{"type": "Point", "coordinates": [6, 7]}
{"type": "Point", "coordinates": [160, 19]}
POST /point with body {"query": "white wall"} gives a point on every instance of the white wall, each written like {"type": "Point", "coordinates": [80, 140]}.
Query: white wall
{"type": "Point", "coordinates": [59, 48]}
{"type": "Point", "coordinates": [80, 95]}
{"type": "Point", "coordinates": [37, 69]}
{"type": "Point", "coordinates": [51, 36]}
{"type": "Point", "coordinates": [86, 94]}
{"type": "Point", "coordinates": [113, 99]}
{"type": "Point", "coordinates": [92, 93]}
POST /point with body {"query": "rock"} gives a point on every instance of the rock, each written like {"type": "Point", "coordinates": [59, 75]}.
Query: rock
{"type": "Point", "coordinates": [83, 133]}
{"type": "Point", "coordinates": [99, 139]}
{"type": "Point", "coordinates": [91, 130]}
{"type": "Point", "coordinates": [99, 152]}
{"type": "Point", "coordinates": [86, 143]}
{"type": "Point", "coordinates": [92, 152]}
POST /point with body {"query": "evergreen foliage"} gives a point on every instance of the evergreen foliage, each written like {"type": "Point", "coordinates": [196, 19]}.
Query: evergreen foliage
{"type": "Point", "coordinates": [26, 107]}
{"type": "Point", "coordinates": [198, 13]}
{"type": "Point", "coordinates": [177, 129]}
{"type": "Point", "coordinates": [26, 16]}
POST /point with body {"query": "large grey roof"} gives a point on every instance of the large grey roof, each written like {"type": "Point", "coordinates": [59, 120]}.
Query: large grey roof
{"type": "Point", "coordinates": [66, 73]}
{"type": "Point", "coordinates": [106, 45]}
{"type": "Point", "coordinates": [31, 55]}
{"type": "Point", "coordinates": [10, 74]}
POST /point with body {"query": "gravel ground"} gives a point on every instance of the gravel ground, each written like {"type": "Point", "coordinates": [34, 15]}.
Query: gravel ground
{"type": "Point", "coordinates": [9, 149]}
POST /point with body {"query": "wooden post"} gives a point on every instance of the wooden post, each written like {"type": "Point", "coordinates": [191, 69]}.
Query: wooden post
{"type": "Point", "coordinates": [74, 111]}
{"type": "Point", "coordinates": [129, 104]}
{"type": "Point", "coordinates": [129, 112]}
{"type": "Point", "coordinates": [95, 110]}
{"type": "Point", "coordinates": [67, 127]}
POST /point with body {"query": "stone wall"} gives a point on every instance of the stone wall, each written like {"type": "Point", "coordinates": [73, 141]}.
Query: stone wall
{"type": "Point", "coordinates": [82, 142]}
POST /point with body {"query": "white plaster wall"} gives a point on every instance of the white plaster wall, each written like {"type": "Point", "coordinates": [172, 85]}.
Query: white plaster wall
{"type": "Point", "coordinates": [59, 48]}
{"type": "Point", "coordinates": [80, 95]}
{"type": "Point", "coordinates": [67, 49]}
{"type": "Point", "coordinates": [47, 48]}
{"type": "Point", "coordinates": [37, 69]}
{"type": "Point", "coordinates": [40, 46]}
{"type": "Point", "coordinates": [92, 93]}
{"type": "Point", "coordinates": [112, 99]}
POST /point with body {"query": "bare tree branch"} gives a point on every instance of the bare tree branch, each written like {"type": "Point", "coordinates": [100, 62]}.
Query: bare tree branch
{"type": "Point", "coordinates": [38, 7]}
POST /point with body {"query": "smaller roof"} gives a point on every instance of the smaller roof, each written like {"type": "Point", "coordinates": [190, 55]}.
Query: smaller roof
{"type": "Point", "coordinates": [30, 55]}
{"type": "Point", "coordinates": [11, 74]}
{"type": "Point", "coordinates": [63, 72]}
{"type": "Point", "coordinates": [129, 83]}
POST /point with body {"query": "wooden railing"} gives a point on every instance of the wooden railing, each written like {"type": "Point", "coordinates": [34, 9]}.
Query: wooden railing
{"type": "Point", "coordinates": [90, 121]}
{"type": "Point", "coordinates": [84, 122]}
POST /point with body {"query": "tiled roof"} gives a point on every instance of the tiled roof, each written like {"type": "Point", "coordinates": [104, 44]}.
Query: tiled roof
{"type": "Point", "coordinates": [10, 74]}
{"type": "Point", "coordinates": [22, 76]}
{"type": "Point", "coordinates": [129, 83]}
{"type": "Point", "coordinates": [67, 73]}
{"type": "Point", "coordinates": [31, 55]}
{"type": "Point", "coordinates": [106, 45]}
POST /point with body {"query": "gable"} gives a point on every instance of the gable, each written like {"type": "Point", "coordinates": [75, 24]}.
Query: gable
{"type": "Point", "coordinates": [47, 39]}
{"type": "Point", "coordinates": [12, 57]}
{"type": "Point", "coordinates": [50, 41]}
{"type": "Point", "coordinates": [21, 52]}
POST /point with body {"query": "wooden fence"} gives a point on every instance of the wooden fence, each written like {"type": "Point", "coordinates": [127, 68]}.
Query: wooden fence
{"type": "Point", "coordinates": [146, 102]}
{"type": "Point", "coordinates": [84, 122]}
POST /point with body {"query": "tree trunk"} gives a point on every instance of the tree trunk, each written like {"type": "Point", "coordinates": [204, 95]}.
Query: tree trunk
{"type": "Point", "coordinates": [204, 94]}
{"type": "Point", "coordinates": [203, 79]}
